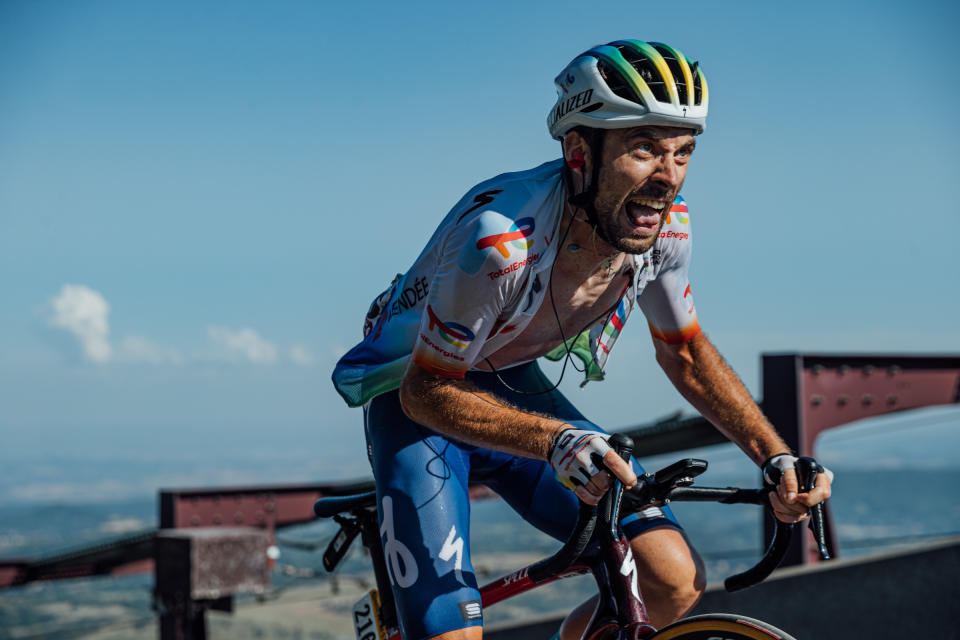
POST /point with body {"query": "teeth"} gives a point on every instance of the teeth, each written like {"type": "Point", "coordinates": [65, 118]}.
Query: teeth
{"type": "Point", "coordinates": [653, 204]}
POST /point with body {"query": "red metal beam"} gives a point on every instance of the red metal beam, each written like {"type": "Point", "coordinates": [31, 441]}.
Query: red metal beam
{"type": "Point", "coordinates": [120, 556]}
{"type": "Point", "coordinates": [807, 394]}
{"type": "Point", "coordinates": [270, 507]}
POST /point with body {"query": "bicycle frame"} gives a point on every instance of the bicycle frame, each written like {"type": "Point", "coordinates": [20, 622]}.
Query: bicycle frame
{"type": "Point", "coordinates": [596, 546]}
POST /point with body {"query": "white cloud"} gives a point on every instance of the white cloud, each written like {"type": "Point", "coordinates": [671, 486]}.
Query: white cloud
{"type": "Point", "coordinates": [243, 343]}
{"type": "Point", "coordinates": [83, 312]}
{"type": "Point", "coordinates": [299, 354]}
{"type": "Point", "coordinates": [139, 349]}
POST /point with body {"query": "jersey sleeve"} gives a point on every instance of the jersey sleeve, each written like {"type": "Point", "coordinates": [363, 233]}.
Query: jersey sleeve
{"type": "Point", "coordinates": [479, 271]}
{"type": "Point", "coordinates": [667, 301]}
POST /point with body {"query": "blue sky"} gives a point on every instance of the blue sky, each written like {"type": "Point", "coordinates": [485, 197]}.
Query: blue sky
{"type": "Point", "coordinates": [198, 200]}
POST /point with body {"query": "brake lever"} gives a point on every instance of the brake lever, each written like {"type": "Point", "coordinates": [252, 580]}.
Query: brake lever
{"type": "Point", "coordinates": [610, 505]}
{"type": "Point", "coordinates": [807, 470]}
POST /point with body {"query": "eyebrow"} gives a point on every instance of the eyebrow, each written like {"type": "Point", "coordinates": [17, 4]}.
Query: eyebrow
{"type": "Point", "coordinates": [647, 131]}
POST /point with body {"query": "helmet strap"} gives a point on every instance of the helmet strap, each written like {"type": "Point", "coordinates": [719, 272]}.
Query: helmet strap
{"type": "Point", "coordinates": [585, 199]}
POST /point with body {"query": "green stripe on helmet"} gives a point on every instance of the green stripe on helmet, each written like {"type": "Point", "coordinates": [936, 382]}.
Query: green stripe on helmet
{"type": "Point", "coordinates": [647, 50]}
{"type": "Point", "coordinates": [613, 57]}
{"type": "Point", "coordinates": [684, 66]}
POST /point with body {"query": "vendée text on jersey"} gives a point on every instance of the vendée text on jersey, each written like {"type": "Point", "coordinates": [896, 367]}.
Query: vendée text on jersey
{"type": "Point", "coordinates": [408, 298]}
{"type": "Point", "coordinates": [529, 260]}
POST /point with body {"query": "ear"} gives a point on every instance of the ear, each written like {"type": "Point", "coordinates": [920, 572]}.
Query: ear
{"type": "Point", "coordinates": [576, 153]}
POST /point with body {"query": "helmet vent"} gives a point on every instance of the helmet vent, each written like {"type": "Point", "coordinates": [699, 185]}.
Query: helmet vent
{"type": "Point", "coordinates": [697, 83]}
{"type": "Point", "coordinates": [647, 71]}
{"type": "Point", "coordinates": [677, 72]}
{"type": "Point", "coordinates": [616, 82]}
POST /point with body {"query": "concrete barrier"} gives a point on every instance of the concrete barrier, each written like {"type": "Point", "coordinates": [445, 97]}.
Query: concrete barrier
{"type": "Point", "coordinates": [905, 594]}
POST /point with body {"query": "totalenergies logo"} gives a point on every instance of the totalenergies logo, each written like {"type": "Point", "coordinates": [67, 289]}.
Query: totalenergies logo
{"type": "Point", "coordinates": [453, 333]}
{"type": "Point", "coordinates": [680, 210]}
{"type": "Point", "coordinates": [498, 232]}
{"type": "Point", "coordinates": [516, 235]}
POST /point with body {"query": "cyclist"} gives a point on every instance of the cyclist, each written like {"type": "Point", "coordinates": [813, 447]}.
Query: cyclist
{"type": "Point", "coordinates": [548, 262]}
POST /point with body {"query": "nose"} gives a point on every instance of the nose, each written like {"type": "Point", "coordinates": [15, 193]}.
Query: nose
{"type": "Point", "coordinates": [668, 172]}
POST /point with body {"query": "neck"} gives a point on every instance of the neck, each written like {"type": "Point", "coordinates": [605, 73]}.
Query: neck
{"type": "Point", "coordinates": [583, 234]}
{"type": "Point", "coordinates": [582, 250]}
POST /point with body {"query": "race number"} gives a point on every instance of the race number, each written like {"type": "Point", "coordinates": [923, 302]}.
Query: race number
{"type": "Point", "coordinates": [366, 617]}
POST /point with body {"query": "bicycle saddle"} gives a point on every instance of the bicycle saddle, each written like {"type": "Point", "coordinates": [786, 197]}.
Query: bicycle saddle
{"type": "Point", "coordinates": [329, 507]}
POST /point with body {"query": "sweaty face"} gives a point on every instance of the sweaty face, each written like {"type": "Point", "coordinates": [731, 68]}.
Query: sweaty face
{"type": "Point", "coordinates": [640, 176]}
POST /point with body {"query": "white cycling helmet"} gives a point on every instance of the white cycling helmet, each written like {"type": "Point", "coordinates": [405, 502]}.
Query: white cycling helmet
{"type": "Point", "coordinates": [629, 83]}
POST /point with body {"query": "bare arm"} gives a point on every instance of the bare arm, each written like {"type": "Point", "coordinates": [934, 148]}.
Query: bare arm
{"type": "Point", "coordinates": [462, 411]}
{"type": "Point", "coordinates": [700, 373]}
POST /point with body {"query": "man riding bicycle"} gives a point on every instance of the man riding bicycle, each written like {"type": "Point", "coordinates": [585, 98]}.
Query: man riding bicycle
{"type": "Point", "coordinates": [548, 262]}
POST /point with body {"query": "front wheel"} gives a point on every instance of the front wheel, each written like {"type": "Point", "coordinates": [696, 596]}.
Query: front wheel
{"type": "Point", "coordinates": [720, 626]}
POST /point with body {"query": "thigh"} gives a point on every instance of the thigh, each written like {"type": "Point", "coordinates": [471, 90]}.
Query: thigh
{"type": "Point", "coordinates": [424, 511]}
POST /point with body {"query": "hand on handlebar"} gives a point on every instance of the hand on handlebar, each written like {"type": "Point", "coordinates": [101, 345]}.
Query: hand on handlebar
{"type": "Point", "coordinates": [789, 503]}
{"type": "Point", "coordinates": [576, 456]}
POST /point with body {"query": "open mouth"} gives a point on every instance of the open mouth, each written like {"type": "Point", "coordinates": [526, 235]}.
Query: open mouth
{"type": "Point", "coordinates": [645, 213]}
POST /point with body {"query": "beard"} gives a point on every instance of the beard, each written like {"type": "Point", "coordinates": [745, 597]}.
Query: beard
{"type": "Point", "coordinates": [617, 233]}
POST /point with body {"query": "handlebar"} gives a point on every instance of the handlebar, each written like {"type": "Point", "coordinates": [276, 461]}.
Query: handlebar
{"type": "Point", "coordinates": [672, 483]}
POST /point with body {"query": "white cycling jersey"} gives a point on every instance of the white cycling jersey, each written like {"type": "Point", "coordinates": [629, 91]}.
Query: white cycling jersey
{"type": "Point", "coordinates": [484, 274]}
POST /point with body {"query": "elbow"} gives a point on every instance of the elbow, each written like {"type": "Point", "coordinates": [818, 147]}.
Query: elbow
{"type": "Point", "coordinates": [417, 389]}
{"type": "Point", "coordinates": [410, 395]}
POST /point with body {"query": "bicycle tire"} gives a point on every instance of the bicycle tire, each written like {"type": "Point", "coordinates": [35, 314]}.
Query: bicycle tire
{"type": "Point", "coordinates": [728, 626]}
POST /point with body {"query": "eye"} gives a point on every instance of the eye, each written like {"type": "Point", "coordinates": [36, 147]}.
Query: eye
{"type": "Point", "coordinates": [685, 152]}
{"type": "Point", "coordinates": [643, 147]}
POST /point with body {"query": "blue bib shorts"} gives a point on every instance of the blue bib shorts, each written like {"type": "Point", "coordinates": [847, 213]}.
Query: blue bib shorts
{"type": "Point", "coordinates": [423, 500]}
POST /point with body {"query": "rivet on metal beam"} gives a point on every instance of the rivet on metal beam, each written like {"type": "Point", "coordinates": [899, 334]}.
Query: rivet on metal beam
{"type": "Point", "coordinates": [868, 369]}
{"type": "Point", "coordinates": [816, 400]}
{"type": "Point", "coordinates": [844, 369]}
{"type": "Point", "coordinates": [891, 400]}
{"type": "Point", "coordinates": [867, 399]}
{"type": "Point", "coordinates": [217, 519]}
{"type": "Point", "coordinates": [817, 369]}
{"type": "Point", "coordinates": [842, 401]}
{"type": "Point", "coordinates": [893, 370]}
{"type": "Point", "coordinates": [238, 517]}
